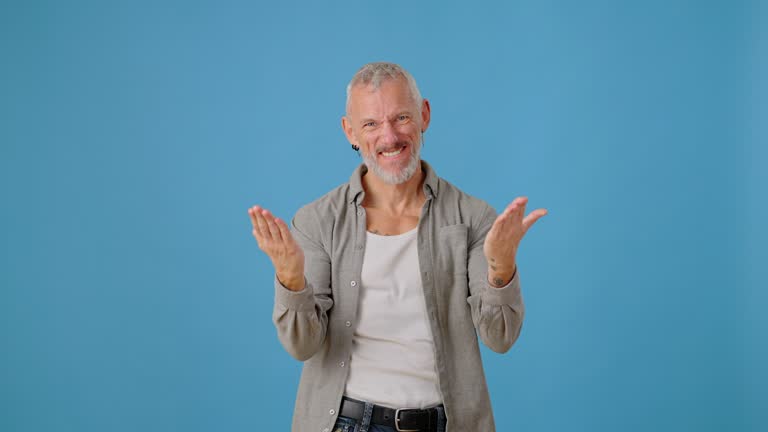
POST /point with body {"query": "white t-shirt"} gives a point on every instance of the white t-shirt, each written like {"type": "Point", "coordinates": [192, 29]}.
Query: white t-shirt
{"type": "Point", "coordinates": [393, 357]}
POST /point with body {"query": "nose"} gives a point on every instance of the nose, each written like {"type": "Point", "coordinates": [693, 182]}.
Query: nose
{"type": "Point", "coordinates": [388, 133]}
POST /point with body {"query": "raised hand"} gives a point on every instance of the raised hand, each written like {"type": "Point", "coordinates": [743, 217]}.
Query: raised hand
{"type": "Point", "coordinates": [503, 239]}
{"type": "Point", "coordinates": [275, 239]}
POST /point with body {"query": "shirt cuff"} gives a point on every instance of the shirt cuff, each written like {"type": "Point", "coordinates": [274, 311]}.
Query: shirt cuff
{"type": "Point", "coordinates": [508, 294]}
{"type": "Point", "coordinates": [301, 301]}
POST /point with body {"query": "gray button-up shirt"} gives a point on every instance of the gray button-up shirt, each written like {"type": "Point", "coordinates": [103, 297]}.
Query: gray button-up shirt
{"type": "Point", "coordinates": [316, 325]}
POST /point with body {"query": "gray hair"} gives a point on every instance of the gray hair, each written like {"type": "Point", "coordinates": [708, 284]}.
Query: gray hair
{"type": "Point", "coordinates": [376, 73]}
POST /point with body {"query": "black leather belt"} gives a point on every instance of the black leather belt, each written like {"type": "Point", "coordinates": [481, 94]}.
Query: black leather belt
{"type": "Point", "coordinates": [416, 420]}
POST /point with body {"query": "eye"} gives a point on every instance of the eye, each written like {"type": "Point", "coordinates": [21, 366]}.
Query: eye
{"type": "Point", "coordinates": [403, 117]}
{"type": "Point", "coordinates": [369, 124]}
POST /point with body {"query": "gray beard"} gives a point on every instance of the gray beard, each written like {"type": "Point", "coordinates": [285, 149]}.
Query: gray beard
{"type": "Point", "coordinates": [395, 178]}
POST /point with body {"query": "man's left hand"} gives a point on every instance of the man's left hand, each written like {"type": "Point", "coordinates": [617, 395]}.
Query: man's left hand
{"type": "Point", "coordinates": [503, 239]}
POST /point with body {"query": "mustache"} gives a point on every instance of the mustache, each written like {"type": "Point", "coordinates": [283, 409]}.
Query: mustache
{"type": "Point", "coordinates": [397, 146]}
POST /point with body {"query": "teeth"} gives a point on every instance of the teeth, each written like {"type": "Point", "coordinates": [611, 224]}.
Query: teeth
{"type": "Point", "coordinates": [394, 153]}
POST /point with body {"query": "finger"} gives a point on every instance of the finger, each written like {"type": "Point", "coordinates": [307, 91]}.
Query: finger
{"type": "Point", "coordinates": [514, 210]}
{"type": "Point", "coordinates": [511, 207]}
{"type": "Point", "coordinates": [515, 204]}
{"type": "Point", "coordinates": [252, 215]}
{"type": "Point", "coordinates": [285, 232]}
{"type": "Point", "coordinates": [261, 224]}
{"type": "Point", "coordinates": [533, 217]}
{"type": "Point", "coordinates": [521, 207]}
{"type": "Point", "coordinates": [273, 229]}
{"type": "Point", "coordinates": [500, 222]}
{"type": "Point", "coordinates": [519, 210]}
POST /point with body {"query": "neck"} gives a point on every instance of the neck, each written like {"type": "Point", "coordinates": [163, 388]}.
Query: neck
{"type": "Point", "coordinates": [395, 199]}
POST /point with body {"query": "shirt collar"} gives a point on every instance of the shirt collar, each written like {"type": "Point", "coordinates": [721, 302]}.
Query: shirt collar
{"type": "Point", "coordinates": [356, 182]}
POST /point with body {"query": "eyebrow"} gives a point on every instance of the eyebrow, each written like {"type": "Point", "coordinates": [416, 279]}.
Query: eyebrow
{"type": "Point", "coordinates": [399, 113]}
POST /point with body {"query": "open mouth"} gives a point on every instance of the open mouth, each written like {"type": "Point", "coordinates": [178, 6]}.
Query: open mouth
{"type": "Point", "coordinates": [393, 153]}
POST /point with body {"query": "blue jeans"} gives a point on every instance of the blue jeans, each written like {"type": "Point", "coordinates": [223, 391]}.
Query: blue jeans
{"type": "Point", "coordinates": [345, 424]}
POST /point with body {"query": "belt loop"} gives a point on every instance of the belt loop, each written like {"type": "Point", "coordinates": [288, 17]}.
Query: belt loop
{"type": "Point", "coordinates": [365, 423]}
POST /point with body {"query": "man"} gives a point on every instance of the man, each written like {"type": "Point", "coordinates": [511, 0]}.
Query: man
{"type": "Point", "coordinates": [382, 284]}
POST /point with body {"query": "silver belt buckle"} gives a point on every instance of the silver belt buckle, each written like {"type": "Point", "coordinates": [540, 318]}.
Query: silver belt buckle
{"type": "Point", "coordinates": [397, 422]}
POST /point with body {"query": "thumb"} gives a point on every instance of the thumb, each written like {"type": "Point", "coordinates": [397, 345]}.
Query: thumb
{"type": "Point", "coordinates": [533, 217]}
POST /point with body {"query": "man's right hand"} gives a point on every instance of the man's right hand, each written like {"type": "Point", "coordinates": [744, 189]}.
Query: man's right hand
{"type": "Point", "coordinates": [275, 239]}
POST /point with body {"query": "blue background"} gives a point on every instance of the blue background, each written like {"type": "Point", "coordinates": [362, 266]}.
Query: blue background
{"type": "Point", "coordinates": [134, 136]}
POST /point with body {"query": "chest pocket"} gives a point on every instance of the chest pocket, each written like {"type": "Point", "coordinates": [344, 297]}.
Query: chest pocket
{"type": "Point", "coordinates": [451, 249]}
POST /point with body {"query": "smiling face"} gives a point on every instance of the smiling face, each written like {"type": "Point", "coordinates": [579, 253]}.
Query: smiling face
{"type": "Point", "coordinates": [387, 124]}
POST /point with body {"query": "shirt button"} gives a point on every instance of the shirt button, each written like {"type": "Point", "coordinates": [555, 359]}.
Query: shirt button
{"type": "Point", "coordinates": [359, 212]}
{"type": "Point", "coordinates": [332, 412]}
{"type": "Point", "coordinates": [353, 283]}
{"type": "Point", "coordinates": [347, 323]}
{"type": "Point", "coordinates": [341, 364]}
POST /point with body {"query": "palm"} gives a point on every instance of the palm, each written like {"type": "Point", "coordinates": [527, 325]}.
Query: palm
{"type": "Point", "coordinates": [508, 229]}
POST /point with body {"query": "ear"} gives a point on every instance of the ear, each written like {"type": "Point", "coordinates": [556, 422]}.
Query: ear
{"type": "Point", "coordinates": [346, 126]}
{"type": "Point", "coordinates": [425, 115]}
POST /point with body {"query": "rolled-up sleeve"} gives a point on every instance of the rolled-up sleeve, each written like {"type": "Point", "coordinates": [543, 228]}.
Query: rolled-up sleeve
{"type": "Point", "coordinates": [301, 317]}
{"type": "Point", "coordinates": [497, 313]}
